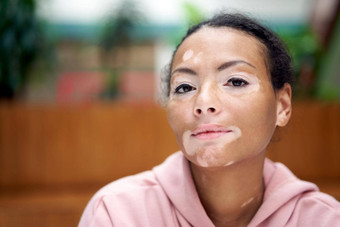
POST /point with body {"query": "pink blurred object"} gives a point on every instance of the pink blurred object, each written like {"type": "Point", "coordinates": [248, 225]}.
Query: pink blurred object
{"type": "Point", "coordinates": [137, 85]}
{"type": "Point", "coordinates": [80, 87]}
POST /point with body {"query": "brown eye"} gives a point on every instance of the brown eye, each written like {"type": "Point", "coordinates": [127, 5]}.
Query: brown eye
{"type": "Point", "coordinates": [237, 82]}
{"type": "Point", "coordinates": [183, 88]}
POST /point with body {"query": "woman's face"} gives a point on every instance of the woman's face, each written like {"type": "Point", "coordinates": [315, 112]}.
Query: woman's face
{"type": "Point", "coordinates": [222, 106]}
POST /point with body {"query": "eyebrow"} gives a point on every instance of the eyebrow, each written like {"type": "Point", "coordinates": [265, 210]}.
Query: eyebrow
{"type": "Point", "coordinates": [220, 68]}
{"type": "Point", "coordinates": [184, 70]}
{"type": "Point", "coordinates": [232, 63]}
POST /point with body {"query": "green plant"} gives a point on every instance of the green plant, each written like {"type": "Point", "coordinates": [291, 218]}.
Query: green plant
{"type": "Point", "coordinates": [20, 40]}
{"type": "Point", "coordinates": [305, 51]}
{"type": "Point", "coordinates": [118, 32]}
{"type": "Point", "coordinates": [193, 14]}
{"type": "Point", "coordinates": [118, 29]}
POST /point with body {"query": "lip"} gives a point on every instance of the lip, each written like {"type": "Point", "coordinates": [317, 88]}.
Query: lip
{"type": "Point", "coordinates": [209, 131]}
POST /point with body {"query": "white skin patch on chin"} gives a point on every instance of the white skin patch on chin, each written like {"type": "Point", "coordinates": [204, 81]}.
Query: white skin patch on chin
{"type": "Point", "coordinates": [202, 162]}
{"type": "Point", "coordinates": [207, 158]}
{"type": "Point", "coordinates": [187, 55]}
{"type": "Point", "coordinates": [206, 152]}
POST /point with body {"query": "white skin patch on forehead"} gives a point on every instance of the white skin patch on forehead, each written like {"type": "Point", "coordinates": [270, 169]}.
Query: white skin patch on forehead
{"type": "Point", "coordinates": [198, 57]}
{"type": "Point", "coordinates": [187, 55]}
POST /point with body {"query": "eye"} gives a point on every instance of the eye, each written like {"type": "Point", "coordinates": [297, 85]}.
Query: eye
{"type": "Point", "coordinates": [236, 82]}
{"type": "Point", "coordinates": [183, 88]}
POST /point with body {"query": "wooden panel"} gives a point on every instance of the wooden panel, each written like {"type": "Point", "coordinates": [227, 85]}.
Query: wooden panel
{"type": "Point", "coordinates": [43, 145]}
{"type": "Point", "coordinates": [53, 158]}
{"type": "Point", "coordinates": [42, 208]}
{"type": "Point", "coordinates": [309, 144]}
{"type": "Point", "coordinates": [67, 145]}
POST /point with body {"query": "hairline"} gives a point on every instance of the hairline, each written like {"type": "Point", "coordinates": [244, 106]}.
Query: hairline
{"type": "Point", "coordinates": [275, 53]}
{"type": "Point", "coordinates": [262, 48]}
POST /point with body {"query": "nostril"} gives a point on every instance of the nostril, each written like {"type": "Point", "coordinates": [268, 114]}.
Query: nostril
{"type": "Point", "coordinates": [211, 109]}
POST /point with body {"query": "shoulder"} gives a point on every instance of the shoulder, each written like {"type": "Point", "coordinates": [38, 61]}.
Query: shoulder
{"type": "Point", "coordinates": [136, 199]}
{"type": "Point", "coordinates": [138, 182]}
{"type": "Point", "coordinates": [316, 209]}
{"type": "Point", "coordinates": [123, 197]}
{"type": "Point", "coordinates": [294, 202]}
{"type": "Point", "coordinates": [318, 203]}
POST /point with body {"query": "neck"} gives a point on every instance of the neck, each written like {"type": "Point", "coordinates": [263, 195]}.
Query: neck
{"type": "Point", "coordinates": [231, 195]}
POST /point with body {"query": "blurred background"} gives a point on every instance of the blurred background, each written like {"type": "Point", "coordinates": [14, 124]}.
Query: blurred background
{"type": "Point", "coordinates": [80, 85]}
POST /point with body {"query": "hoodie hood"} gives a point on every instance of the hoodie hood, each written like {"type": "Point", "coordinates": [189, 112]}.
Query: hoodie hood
{"type": "Point", "coordinates": [282, 191]}
{"type": "Point", "coordinates": [175, 178]}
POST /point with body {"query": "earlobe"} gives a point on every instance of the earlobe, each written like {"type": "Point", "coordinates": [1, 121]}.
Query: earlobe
{"type": "Point", "coordinates": [284, 105]}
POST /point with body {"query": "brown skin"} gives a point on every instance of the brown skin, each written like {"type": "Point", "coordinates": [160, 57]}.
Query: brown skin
{"type": "Point", "coordinates": [228, 170]}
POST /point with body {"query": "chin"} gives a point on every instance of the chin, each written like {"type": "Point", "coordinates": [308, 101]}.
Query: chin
{"type": "Point", "coordinates": [216, 157]}
{"type": "Point", "coordinates": [210, 157]}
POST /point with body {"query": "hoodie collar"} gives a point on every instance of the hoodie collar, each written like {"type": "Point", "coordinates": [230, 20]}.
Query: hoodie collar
{"type": "Point", "coordinates": [282, 191]}
{"type": "Point", "coordinates": [176, 180]}
{"type": "Point", "coordinates": [281, 187]}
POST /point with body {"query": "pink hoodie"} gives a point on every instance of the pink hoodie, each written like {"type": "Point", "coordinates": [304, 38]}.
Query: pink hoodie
{"type": "Point", "coordinates": [166, 196]}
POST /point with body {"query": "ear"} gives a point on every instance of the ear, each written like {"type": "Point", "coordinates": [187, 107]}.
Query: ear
{"type": "Point", "coordinates": [284, 105]}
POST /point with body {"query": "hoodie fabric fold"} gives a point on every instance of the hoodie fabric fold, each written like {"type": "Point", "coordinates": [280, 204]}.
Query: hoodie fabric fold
{"type": "Point", "coordinates": [166, 196]}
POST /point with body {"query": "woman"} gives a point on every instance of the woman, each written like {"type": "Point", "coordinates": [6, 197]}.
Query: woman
{"type": "Point", "coordinates": [229, 87]}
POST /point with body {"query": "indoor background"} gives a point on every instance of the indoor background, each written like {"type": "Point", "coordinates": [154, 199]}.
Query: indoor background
{"type": "Point", "coordinates": [80, 95]}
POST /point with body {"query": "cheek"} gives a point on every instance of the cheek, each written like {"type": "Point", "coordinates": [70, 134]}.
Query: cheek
{"type": "Point", "coordinates": [254, 114]}
{"type": "Point", "coordinates": [178, 114]}
{"type": "Point", "coordinates": [258, 117]}
{"type": "Point", "coordinates": [263, 112]}
{"type": "Point", "coordinates": [255, 108]}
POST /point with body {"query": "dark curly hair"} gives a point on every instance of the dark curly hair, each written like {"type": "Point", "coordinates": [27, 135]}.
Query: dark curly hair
{"type": "Point", "coordinates": [279, 60]}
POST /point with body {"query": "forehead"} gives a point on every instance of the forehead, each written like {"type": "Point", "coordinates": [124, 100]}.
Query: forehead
{"type": "Point", "coordinates": [223, 42]}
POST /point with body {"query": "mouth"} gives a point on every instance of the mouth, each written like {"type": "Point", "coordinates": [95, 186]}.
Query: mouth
{"type": "Point", "coordinates": [210, 131]}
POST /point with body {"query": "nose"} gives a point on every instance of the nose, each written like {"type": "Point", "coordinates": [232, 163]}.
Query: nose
{"type": "Point", "coordinates": [207, 102]}
{"type": "Point", "coordinates": [209, 110]}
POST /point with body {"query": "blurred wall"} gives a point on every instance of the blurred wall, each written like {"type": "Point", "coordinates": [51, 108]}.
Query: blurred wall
{"type": "Point", "coordinates": [53, 158]}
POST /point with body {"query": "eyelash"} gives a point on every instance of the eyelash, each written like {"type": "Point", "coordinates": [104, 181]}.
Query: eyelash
{"type": "Point", "coordinates": [232, 81]}
{"type": "Point", "coordinates": [183, 87]}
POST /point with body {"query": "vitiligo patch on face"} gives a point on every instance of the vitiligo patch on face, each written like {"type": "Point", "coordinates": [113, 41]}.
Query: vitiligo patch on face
{"type": "Point", "coordinates": [247, 202]}
{"type": "Point", "coordinates": [207, 151]}
{"type": "Point", "coordinates": [253, 86]}
{"type": "Point", "coordinates": [198, 57]}
{"type": "Point", "coordinates": [187, 55]}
